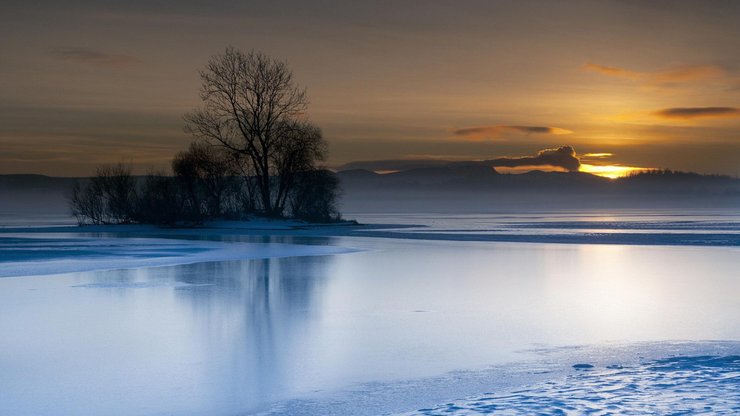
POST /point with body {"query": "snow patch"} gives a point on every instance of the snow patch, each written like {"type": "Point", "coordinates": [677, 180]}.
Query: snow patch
{"type": "Point", "coordinates": [675, 385]}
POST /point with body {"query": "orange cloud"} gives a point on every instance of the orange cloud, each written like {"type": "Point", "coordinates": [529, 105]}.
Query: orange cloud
{"type": "Point", "coordinates": [686, 113]}
{"type": "Point", "coordinates": [612, 71]}
{"type": "Point", "coordinates": [598, 155]}
{"type": "Point", "coordinates": [524, 169]}
{"type": "Point", "coordinates": [662, 77]}
{"type": "Point", "coordinates": [483, 132]}
{"type": "Point", "coordinates": [687, 73]}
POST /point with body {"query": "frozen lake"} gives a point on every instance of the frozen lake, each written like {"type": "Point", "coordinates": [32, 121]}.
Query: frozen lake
{"type": "Point", "coordinates": [629, 226]}
{"type": "Point", "coordinates": [357, 325]}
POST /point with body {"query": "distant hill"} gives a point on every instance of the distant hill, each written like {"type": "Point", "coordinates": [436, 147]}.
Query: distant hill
{"type": "Point", "coordinates": [667, 182]}
{"type": "Point", "coordinates": [455, 187]}
{"type": "Point", "coordinates": [468, 176]}
{"type": "Point", "coordinates": [34, 194]}
{"type": "Point", "coordinates": [34, 182]}
{"type": "Point", "coordinates": [478, 176]}
{"type": "Point", "coordinates": [475, 186]}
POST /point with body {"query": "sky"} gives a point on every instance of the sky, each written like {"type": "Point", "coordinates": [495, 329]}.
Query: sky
{"type": "Point", "coordinates": [626, 84]}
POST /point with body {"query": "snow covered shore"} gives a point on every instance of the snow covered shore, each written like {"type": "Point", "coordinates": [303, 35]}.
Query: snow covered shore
{"type": "Point", "coordinates": [625, 379]}
{"type": "Point", "coordinates": [704, 384]}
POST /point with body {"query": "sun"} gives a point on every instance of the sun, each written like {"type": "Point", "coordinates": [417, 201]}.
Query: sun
{"type": "Point", "coordinates": [610, 171]}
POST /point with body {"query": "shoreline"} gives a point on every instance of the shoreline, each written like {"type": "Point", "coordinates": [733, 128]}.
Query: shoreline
{"type": "Point", "coordinates": [40, 251]}
{"type": "Point", "coordinates": [574, 235]}
{"type": "Point", "coordinates": [43, 256]}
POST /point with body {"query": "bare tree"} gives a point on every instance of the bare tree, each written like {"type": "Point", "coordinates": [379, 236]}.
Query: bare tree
{"type": "Point", "coordinates": [160, 200]}
{"type": "Point", "coordinates": [299, 147]}
{"type": "Point", "coordinates": [86, 204]}
{"type": "Point", "coordinates": [118, 187]}
{"type": "Point", "coordinates": [315, 196]}
{"type": "Point", "coordinates": [249, 100]}
{"type": "Point", "coordinates": [109, 198]}
{"type": "Point", "coordinates": [209, 176]}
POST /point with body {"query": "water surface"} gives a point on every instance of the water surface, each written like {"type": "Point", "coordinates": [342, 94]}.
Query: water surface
{"type": "Point", "coordinates": [235, 337]}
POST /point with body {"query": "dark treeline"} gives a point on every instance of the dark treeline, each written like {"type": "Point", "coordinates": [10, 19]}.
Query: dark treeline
{"type": "Point", "coordinates": [196, 193]}
{"type": "Point", "coordinates": [254, 152]}
{"type": "Point", "coordinates": [661, 174]}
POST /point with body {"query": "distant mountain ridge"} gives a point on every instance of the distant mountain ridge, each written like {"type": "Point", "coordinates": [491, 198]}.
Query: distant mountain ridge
{"type": "Point", "coordinates": [32, 180]}
{"type": "Point", "coordinates": [456, 187]}
{"type": "Point", "coordinates": [465, 175]}
{"type": "Point", "coordinates": [476, 187]}
{"type": "Point", "coordinates": [31, 193]}
{"type": "Point", "coordinates": [474, 175]}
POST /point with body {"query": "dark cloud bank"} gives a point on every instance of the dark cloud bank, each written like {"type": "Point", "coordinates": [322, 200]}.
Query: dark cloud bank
{"type": "Point", "coordinates": [493, 131]}
{"type": "Point", "coordinates": [697, 112]}
{"type": "Point", "coordinates": [562, 157]}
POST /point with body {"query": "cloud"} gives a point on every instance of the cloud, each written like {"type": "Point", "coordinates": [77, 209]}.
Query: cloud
{"type": "Point", "coordinates": [93, 57]}
{"type": "Point", "coordinates": [395, 164]}
{"type": "Point", "coordinates": [662, 77]}
{"type": "Point", "coordinates": [482, 132]}
{"type": "Point", "coordinates": [612, 71]}
{"type": "Point", "coordinates": [685, 113]}
{"type": "Point", "coordinates": [687, 73]}
{"type": "Point", "coordinates": [563, 157]}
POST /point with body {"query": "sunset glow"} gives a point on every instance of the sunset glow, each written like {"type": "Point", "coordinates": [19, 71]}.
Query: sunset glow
{"type": "Point", "coordinates": [366, 208]}
{"type": "Point", "coordinates": [610, 171]}
{"type": "Point", "coordinates": [479, 81]}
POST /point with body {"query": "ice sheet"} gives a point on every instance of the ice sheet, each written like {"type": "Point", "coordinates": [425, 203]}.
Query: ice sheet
{"type": "Point", "coordinates": [42, 254]}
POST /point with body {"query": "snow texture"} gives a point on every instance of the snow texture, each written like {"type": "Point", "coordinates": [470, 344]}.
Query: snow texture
{"type": "Point", "coordinates": [675, 385]}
